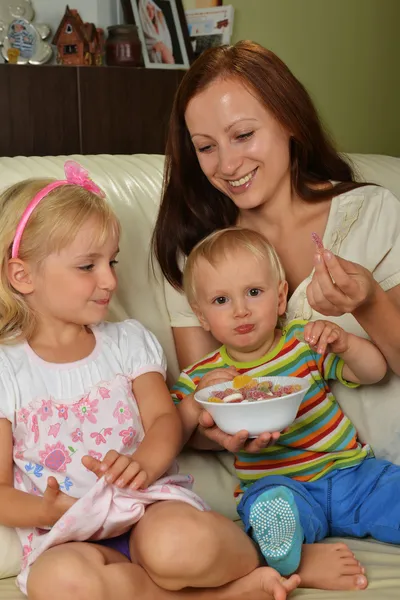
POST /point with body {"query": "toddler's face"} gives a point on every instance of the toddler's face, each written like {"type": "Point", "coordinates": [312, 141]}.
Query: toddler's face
{"type": "Point", "coordinates": [75, 285]}
{"type": "Point", "coordinates": [239, 300]}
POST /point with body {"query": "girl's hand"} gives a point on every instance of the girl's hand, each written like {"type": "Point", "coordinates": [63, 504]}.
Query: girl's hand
{"type": "Point", "coordinates": [321, 334]}
{"type": "Point", "coordinates": [217, 376]}
{"type": "Point", "coordinates": [119, 469]}
{"type": "Point", "coordinates": [56, 503]}
{"type": "Point", "coordinates": [239, 441]}
{"type": "Point", "coordinates": [339, 286]}
{"type": "Point", "coordinates": [278, 587]}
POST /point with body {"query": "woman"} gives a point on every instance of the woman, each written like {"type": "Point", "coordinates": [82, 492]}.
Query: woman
{"type": "Point", "coordinates": [246, 146]}
{"type": "Point", "coordinates": [156, 33]}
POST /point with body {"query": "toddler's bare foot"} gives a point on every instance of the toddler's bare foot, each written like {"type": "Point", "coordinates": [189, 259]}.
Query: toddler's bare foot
{"type": "Point", "coordinates": [330, 567]}
{"type": "Point", "coordinates": [262, 584]}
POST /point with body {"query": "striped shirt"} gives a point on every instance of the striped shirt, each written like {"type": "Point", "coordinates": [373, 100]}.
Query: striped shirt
{"type": "Point", "coordinates": [320, 439]}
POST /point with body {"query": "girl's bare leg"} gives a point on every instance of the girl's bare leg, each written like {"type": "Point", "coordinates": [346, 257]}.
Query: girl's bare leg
{"type": "Point", "coordinates": [83, 571]}
{"type": "Point", "coordinates": [181, 547]}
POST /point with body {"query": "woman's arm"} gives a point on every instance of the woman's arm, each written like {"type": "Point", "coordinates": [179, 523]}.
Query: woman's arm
{"type": "Point", "coordinates": [340, 286]}
{"type": "Point", "coordinates": [380, 317]}
{"type": "Point", "coordinates": [20, 509]}
{"type": "Point", "coordinates": [192, 344]}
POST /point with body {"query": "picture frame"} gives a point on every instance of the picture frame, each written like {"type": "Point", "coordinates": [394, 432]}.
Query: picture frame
{"type": "Point", "coordinates": [207, 3]}
{"type": "Point", "coordinates": [164, 34]}
{"type": "Point", "coordinates": [209, 27]}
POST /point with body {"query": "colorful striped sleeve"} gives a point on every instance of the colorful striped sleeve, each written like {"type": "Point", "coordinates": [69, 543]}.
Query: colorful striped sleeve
{"type": "Point", "coordinates": [182, 388]}
{"type": "Point", "coordinates": [331, 367]}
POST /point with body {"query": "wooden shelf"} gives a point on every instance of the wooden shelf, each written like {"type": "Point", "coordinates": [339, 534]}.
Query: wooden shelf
{"type": "Point", "coordinates": [51, 110]}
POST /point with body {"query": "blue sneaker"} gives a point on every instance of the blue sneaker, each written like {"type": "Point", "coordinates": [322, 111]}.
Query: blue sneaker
{"type": "Point", "coordinates": [277, 529]}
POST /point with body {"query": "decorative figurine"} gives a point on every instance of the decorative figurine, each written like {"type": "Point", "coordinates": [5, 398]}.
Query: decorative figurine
{"type": "Point", "coordinates": [78, 43]}
{"type": "Point", "coordinates": [22, 41]}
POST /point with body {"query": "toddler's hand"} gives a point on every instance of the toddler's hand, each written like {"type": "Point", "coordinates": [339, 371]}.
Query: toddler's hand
{"type": "Point", "coordinates": [239, 441]}
{"type": "Point", "coordinates": [325, 335]}
{"type": "Point", "coordinates": [119, 469]}
{"type": "Point", "coordinates": [217, 376]}
{"type": "Point", "coordinates": [56, 503]}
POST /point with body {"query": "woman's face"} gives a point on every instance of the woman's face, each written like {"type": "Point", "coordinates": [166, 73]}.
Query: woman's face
{"type": "Point", "coordinates": [241, 147]}
{"type": "Point", "coordinates": [150, 10]}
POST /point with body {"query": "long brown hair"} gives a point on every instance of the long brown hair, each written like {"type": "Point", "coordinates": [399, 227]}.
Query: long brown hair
{"type": "Point", "coordinates": [191, 207]}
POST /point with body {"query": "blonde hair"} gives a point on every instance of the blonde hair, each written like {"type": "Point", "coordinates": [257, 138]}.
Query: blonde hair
{"type": "Point", "coordinates": [223, 243]}
{"type": "Point", "coordinates": [53, 225]}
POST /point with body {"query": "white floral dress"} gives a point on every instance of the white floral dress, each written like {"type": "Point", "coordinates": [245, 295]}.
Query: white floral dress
{"type": "Point", "coordinates": [62, 412]}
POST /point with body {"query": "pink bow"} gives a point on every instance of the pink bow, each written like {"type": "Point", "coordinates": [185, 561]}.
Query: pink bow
{"type": "Point", "coordinates": [77, 175]}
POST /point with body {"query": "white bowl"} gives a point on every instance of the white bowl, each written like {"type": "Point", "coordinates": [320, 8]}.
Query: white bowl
{"type": "Point", "coordinates": [274, 414]}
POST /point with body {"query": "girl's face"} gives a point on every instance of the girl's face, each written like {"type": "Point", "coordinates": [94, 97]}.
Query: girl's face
{"type": "Point", "coordinates": [241, 148]}
{"type": "Point", "coordinates": [75, 285]}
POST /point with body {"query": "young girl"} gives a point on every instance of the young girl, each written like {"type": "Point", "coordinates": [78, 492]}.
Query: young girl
{"type": "Point", "coordinates": [88, 431]}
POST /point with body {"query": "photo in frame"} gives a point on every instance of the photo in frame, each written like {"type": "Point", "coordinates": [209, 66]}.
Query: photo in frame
{"type": "Point", "coordinates": [209, 27]}
{"type": "Point", "coordinates": [163, 32]}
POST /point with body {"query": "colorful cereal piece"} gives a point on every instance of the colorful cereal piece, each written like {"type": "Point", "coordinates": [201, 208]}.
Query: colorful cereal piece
{"type": "Point", "coordinates": [318, 242]}
{"type": "Point", "coordinates": [250, 393]}
{"type": "Point", "coordinates": [241, 381]}
{"type": "Point", "coordinates": [235, 397]}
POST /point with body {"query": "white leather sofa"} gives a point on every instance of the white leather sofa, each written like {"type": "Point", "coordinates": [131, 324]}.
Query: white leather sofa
{"type": "Point", "coordinates": [133, 185]}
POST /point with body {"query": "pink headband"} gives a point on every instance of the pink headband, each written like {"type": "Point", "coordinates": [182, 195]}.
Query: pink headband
{"type": "Point", "coordinates": [74, 175]}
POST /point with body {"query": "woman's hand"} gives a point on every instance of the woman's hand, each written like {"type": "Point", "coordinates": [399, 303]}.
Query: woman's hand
{"type": "Point", "coordinates": [239, 441]}
{"type": "Point", "coordinates": [119, 469]}
{"type": "Point", "coordinates": [55, 502]}
{"type": "Point", "coordinates": [321, 334]}
{"type": "Point", "coordinates": [339, 286]}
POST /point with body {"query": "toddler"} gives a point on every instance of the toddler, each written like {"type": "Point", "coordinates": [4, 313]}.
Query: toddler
{"type": "Point", "coordinates": [315, 478]}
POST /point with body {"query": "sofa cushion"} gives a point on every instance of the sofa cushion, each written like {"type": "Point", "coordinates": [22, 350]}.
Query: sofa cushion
{"type": "Point", "coordinates": [133, 186]}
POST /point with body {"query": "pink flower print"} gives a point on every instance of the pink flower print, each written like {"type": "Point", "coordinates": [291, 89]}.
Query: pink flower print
{"type": "Point", "coordinates": [26, 550]}
{"type": "Point", "coordinates": [85, 409]}
{"type": "Point", "coordinates": [165, 489]}
{"type": "Point", "coordinates": [122, 412]}
{"type": "Point", "coordinates": [55, 457]}
{"type": "Point", "coordinates": [18, 449]}
{"type": "Point", "coordinates": [96, 455]}
{"type": "Point", "coordinates": [18, 476]}
{"type": "Point", "coordinates": [128, 436]}
{"type": "Point", "coordinates": [63, 412]}
{"type": "Point", "coordinates": [77, 435]}
{"type": "Point", "coordinates": [100, 439]}
{"type": "Point", "coordinates": [54, 430]}
{"type": "Point", "coordinates": [46, 410]}
{"type": "Point", "coordinates": [35, 428]}
{"type": "Point", "coordinates": [23, 415]}
{"type": "Point", "coordinates": [108, 431]}
{"type": "Point", "coordinates": [104, 392]}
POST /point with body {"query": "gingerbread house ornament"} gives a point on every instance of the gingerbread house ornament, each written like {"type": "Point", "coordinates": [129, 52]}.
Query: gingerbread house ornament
{"type": "Point", "coordinates": [78, 43]}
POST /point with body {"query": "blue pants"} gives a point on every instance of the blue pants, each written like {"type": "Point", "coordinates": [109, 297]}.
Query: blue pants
{"type": "Point", "coordinates": [359, 501]}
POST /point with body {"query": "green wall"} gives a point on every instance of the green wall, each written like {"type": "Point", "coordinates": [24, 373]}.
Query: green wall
{"type": "Point", "coordinates": [347, 54]}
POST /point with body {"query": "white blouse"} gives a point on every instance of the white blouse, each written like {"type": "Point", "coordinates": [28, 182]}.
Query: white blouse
{"type": "Point", "coordinates": [364, 227]}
